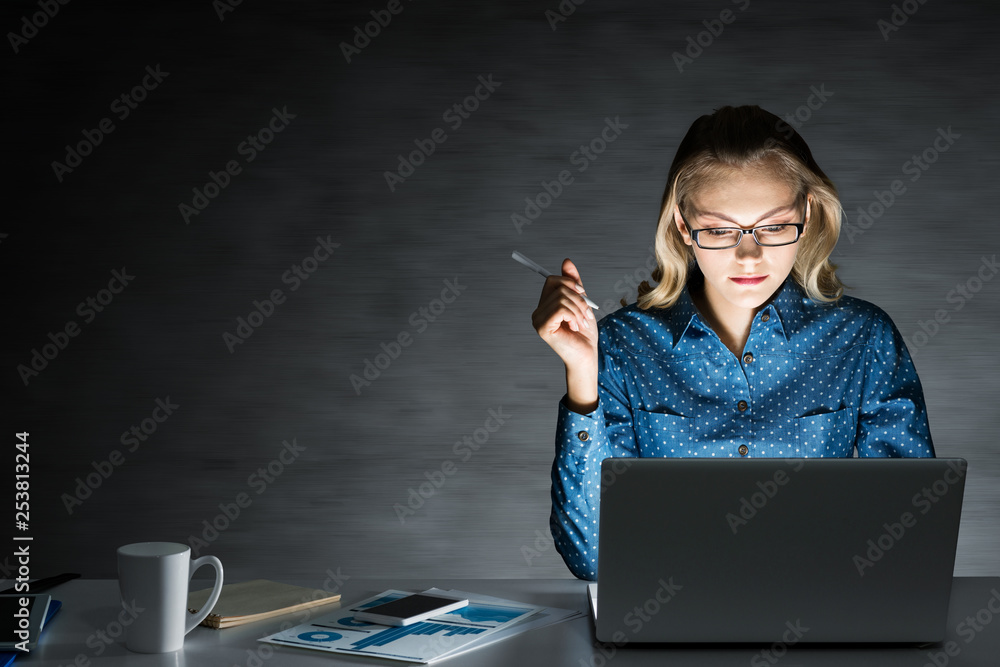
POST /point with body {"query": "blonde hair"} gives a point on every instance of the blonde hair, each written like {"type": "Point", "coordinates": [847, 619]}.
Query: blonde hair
{"type": "Point", "coordinates": [745, 138]}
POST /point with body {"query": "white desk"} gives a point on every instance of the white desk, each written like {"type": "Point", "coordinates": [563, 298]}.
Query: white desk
{"type": "Point", "coordinates": [93, 605]}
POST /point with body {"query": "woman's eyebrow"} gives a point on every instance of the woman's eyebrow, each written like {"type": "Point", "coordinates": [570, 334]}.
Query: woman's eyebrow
{"type": "Point", "coordinates": [769, 214]}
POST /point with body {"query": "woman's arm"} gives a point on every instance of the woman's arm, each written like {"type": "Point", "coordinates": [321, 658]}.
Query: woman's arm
{"type": "Point", "coordinates": [583, 441]}
{"type": "Point", "coordinates": [893, 417]}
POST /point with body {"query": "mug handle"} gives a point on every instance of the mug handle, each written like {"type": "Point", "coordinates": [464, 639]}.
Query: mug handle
{"type": "Point", "coordinates": [195, 619]}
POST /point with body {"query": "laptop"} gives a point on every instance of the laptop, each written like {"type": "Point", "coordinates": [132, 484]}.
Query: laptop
{"type": "Point", "coordinates": [772, 550]}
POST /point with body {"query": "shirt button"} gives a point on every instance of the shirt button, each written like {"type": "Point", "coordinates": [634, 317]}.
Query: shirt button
{"type": "Point", "coordinates": [765, 317]}
{"type": "Point", "coordinates": [583, 435]}
{"type": "Point", "coordinates": [742, 405]}
{"type": "Point", "coordinates": [747, 358]}
{"type": "Point", "coordinates": [743, 450]}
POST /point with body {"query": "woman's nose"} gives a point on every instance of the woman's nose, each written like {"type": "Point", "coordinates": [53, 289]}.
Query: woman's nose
{"type": "Point", "coordinates": [749, 247]}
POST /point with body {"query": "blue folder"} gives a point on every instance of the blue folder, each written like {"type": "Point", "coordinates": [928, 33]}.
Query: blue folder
{"type": "Point", "coordinates": [8, 658]}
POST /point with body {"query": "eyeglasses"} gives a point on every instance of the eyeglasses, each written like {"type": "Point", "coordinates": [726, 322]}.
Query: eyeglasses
{"type": "Point", "coordinates": [721, 238]}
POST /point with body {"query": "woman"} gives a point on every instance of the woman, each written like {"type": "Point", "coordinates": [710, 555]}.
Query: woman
{"type": "Point", "coordinates": [746, 347]}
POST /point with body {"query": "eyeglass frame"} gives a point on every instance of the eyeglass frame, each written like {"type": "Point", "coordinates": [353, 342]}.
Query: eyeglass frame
{"type": "Point", "coordinates": [799, 226]}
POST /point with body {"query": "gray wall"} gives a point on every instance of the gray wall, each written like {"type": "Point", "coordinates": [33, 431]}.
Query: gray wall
{"type": "Point", "coordinates": [331, 507]}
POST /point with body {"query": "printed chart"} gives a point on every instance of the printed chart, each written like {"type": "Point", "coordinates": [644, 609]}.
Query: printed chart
{"type": "Point", "coordinates": [421, 642]}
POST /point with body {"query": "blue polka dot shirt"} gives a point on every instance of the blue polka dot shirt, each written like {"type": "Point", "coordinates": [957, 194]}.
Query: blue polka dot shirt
{"type": "Point", "coordinates": [814, 380]}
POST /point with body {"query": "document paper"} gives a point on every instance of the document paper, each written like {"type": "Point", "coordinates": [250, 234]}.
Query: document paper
{"type": "Point", "coordinates": [420, 642]}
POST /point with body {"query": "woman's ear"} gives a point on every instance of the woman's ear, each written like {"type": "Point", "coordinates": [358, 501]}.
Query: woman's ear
{"type": "Point", "coordinates": [681, 227]}
{"type": "Point", "coordinates": [808, 213]}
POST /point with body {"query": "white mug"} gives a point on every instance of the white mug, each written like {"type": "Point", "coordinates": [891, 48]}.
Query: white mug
{"type": "Point", "coordinates": [153, 578]}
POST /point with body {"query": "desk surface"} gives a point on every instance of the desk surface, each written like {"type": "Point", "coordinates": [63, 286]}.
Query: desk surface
{"type": "Point", "coordinates": [92, 606]}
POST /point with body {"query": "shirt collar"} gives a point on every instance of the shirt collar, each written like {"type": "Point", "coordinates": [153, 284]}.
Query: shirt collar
{"type": "Point", "coordinates": [683, 313]}
{"type": "Point", "coordinates": [790, 306]}
{"type": "Point", "coordinates": [786, 308]}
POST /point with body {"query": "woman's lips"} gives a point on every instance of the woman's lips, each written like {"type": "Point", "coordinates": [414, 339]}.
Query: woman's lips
{"type": "Point", "coordinates": [751, 280]}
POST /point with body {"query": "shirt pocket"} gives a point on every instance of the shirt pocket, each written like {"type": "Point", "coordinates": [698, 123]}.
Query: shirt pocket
{"type": "Point", "coordinates": [828, 434]}
{"type": "Point", "coordinates": [657, 433]}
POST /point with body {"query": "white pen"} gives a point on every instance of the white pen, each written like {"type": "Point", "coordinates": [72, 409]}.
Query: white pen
{"type": "Point", "coordinates": [545, 273]}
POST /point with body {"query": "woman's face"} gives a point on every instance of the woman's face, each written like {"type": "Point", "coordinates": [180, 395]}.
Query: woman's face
{"type": "Point", "coordinates": [745, 199]}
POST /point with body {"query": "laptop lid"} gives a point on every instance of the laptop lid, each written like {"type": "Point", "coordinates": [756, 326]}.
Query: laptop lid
{"type": "Point", "coordinates": [827, 550]}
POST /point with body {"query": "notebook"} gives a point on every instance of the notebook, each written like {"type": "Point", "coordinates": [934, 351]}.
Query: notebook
{"type": "Point", "coordinates": [256, 600]}
{"type": "Point", "coordinates": [766, 550]}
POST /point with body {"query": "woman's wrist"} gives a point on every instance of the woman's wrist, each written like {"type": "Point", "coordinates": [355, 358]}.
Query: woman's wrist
{"type": "Point", "coordinates": [581, 390]}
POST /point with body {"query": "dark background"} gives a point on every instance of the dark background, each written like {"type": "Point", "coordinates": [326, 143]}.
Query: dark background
{"type": "Point", "coordinates": [332, 507]}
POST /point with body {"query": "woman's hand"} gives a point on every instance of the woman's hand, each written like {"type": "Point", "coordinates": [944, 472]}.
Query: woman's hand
{"type": "Point", "coordinates": [565, 321]}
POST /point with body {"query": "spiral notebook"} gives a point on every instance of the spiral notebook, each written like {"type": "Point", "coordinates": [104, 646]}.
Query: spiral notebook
{"type": "Point", "coordinates": [256, 600]}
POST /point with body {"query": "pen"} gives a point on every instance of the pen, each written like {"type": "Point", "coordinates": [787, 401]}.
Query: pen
{"type": "Point", "coordinates": [545, 273]}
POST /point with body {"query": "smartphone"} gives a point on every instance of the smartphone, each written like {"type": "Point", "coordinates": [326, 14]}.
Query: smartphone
{"type": "Point", "coordinates": [411, 609]}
